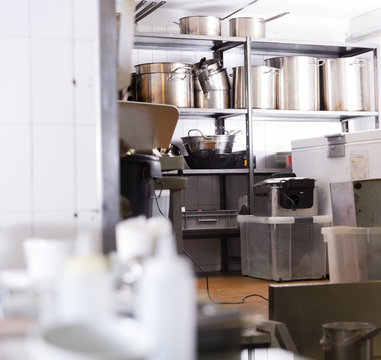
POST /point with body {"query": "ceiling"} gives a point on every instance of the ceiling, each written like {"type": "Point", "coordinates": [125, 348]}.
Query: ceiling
{"type": "Point", "coordinates": [309, 8]}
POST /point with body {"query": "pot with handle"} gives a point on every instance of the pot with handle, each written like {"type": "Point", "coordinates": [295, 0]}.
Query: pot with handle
{"type": "Point", "coordinates": [298, 85]}
{"type": "Point", "coordinates": [346, 84]}
{"type": "Point", "coordinates": [250, 26]}
{"type": "Point", "coordinates": [211, 85]}
{"type": "Point", "coordinates": [205, 25]}
{"type": "Point", "coordinates": [219, 144]}
{"type": "Point", "coordinates": [264, 81]}
{"type": "Point", "coordinates": [165, 83]}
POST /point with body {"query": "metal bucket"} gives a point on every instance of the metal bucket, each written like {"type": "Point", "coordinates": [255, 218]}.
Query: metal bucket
{"type": "Point", "coordinates": [347, 341]}
{"type": "Point", "coordinates": [346, 84]}
{"type": "Point", "coordinates": [263, 87]}
{"type": "Point", "coordinates": [165, 83]}
{"type": "Point", "coordinates": [298, 85]}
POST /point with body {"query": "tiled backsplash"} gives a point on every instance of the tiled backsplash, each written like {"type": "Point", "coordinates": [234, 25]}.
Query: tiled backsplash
{"type": "Point", "coordinates": [48, 121]}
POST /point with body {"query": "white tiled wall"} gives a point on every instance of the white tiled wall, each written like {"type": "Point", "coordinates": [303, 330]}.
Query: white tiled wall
{"type": "Point", "coordinates": [49, 116]}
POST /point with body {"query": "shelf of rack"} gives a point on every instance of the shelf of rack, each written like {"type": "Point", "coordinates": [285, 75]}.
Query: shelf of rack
{"type": "Point", "coordinates": [243, 171]}
{"type": "Point", "coordinates": [210, 113]}
{"type": "Point", "coordinates": [312, 116]}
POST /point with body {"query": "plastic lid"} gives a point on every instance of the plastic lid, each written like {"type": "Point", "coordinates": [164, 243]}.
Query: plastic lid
{"type": "Point", "coordinates": [347, 230]}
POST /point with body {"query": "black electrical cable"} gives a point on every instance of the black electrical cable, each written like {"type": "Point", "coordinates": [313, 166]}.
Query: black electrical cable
{"type": "Point", "coordinates": [157, 201]}
{"type": "Point", "coordinates": [208, 290]}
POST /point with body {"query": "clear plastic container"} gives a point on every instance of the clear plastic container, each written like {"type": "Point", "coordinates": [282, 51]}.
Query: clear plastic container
{"type": "Point", "coordinates": [283, 248]}
{"type": "Point", "coordinates": [354, 253]}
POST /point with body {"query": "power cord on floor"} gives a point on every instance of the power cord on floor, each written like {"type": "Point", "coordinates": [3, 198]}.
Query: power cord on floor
{"type": "Point", "coordinates": [208, 290]}
{"type": "Point", "coordinates": [206, 274]}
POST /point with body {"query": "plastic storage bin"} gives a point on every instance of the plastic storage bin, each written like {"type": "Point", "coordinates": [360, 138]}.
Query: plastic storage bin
{"type": "Point", "coordinates": [283, 248]}
{"type": "Point", "coordinates": [354, 253]}
{"type": "Point", "coordinates": [220, 219]}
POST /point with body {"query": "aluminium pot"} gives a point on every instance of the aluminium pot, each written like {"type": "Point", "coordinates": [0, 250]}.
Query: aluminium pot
{"type": "Point", "coordinates": [346, 85]}
{"type": "Point", "coordinates": [250, 26]}
{"type": "Point", "coordinates": [263, 87]}
{"type": "Point", "coordinates": [218, 144]}
{"type": "Point", "coordinates": [204, 25]}
{"type": "Point", "coordinates": [298, 83]}
{"type": "Point", "coordinates": [165, 83]}
{"type": "Point", "coordinates": [211, 85]}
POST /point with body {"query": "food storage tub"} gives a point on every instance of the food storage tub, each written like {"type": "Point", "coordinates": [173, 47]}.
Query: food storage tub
{"type": "Point", "coordinates": [354, 253]}
{"type": "Point", "coordinates": [220, 219]}
{"type": "Point", "coordinates": [283, 248]}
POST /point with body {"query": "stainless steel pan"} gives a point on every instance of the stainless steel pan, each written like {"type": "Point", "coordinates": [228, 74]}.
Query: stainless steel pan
{"type": "Point", "coordinates": [205, 25]}
{"type": "Point", "coordinates": [250, 26]}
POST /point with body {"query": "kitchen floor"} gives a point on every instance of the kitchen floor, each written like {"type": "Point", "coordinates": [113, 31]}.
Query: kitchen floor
{"type": "Point", "coordinates": [232, 287]}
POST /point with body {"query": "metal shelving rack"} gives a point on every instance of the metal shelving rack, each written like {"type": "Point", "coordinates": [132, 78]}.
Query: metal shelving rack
{"type": "Point", "coordinates": [268, 47]}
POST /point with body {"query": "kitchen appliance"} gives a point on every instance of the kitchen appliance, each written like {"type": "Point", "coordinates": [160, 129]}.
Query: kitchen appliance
{"type": "Point", "coordinates": [285, 196]}
{"type": "Point", "coordinates": [153, 126]}
{"type": "Point", "coordinates": [250, 26]}
{"type": "Point", "coordinates": [337, 158]}
{"type": "Point", "coordinates": [211, 85]}
{"type": "Point", "coordinates": [356, 203]}
{"type": "Point", "coordinates": [219, 144]}
{"type": "Point", "coordinates": [165, 83]}
{"type": "Point", "coordinates": [205, 25]}
{"type": "Point", "coordinates": [345, 84]}
{"type": "Point", "coordinates": [298, 85]}
{"type": "Point", "coordinates": [264, 81]}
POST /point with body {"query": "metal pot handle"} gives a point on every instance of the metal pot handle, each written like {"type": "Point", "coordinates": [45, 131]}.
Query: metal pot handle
{"type": "Point", "coordinates": [175, 22]}
{"type": "Point", "coordinates": [276, 17]}
{"type": "Point", "coordinates": [359, 62]}
{"type": "Point", "coordinates": [318, 63]}
{"type": "Point", "coordinates": [234, 12]}
{"type": "Point", "coordinates": [197, 131]}
{"type": "Point", "coordinates": [173, 72]}
{"type": "Point", "coordinates": [272, 71]}
{"type": "Point", "coordinates": [234, 132]}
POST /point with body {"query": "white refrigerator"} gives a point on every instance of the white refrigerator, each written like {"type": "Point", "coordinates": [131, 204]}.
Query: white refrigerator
{"type": "Point", "coordinates": [335, 158]}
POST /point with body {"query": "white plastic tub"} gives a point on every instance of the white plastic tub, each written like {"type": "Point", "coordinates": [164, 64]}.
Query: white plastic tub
{"type": "Point", "coordinates": [283, 248]}
{"type": "Point", "coordinates": [354, 253]}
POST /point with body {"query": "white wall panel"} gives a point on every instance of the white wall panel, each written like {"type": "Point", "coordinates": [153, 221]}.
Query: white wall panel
{"type": "Point", "coordinates": [15, 81]}
{"type": "Point", "coordinates": [14, 18]}
{"type": "Point", "coordinates": [15, 227]}
{"type": "Point", "coordinates": [54, 168]}
{"type": "Point", "coordinates": [15, 162]}
{"type": "Point", "coordinates": [86, 83]}
{"type": "Point", "coordinates": [55, 224]}
{"type": "Point", "coordinates": [87, 173]}
{"type": "Point", "coordinates": [52, 82]}
{"type": "Point", "coordinates": [86, 24]}
{"type": "Point", "coordinates": [51, 19]}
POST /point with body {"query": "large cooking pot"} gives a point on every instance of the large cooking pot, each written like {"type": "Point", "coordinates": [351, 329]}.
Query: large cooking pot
{"type": "Point", "coordinates": [220, 144]}
{"type": "Point", "coordinates": [211, 85]}
{"type": "Point", "coordinates": [264, 81]}
{"type": "Point", "coordinates": [346, 84]}
{"type": "Point", "coordinates": [250, 26]}
{"type": "Point", "coordinates": [204, 25]}
{"type": "Point", "coordinates": [165, 83]}
{"type": "Point", "coordinates": [298, 85]}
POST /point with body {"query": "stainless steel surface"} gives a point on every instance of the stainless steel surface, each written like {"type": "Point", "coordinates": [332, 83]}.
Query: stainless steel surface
{"type": "Point", "coordinates": [356, 203]}
{"type": "Point", "coordinates": [258, 46]}
{"type": "Point", "coordinates": [344, 341]}
{"type": "Point", "coordinates": [263, 87]}
{"type": "Point", "coordinates": [151, 7]}
{"type": "Point", "coordinates": [200, 25]}
{"type": "Point", "coordinates": [249, 126]}
{"type": "Point", "coordinates": [205, 25]}
{"type": "Point", "coordinates": [219, 143]}
{"type": "Point", "coordinates": [165, 83]}
{"type": "Point", "coordinates": [108, 143]}
{"type": "Point", "coordinates": [211, 85]}
{"type": "Point", "coordinates": [214, 99]}
{"type": "Point", "coordinates": [250, 26]}
{"type": "Point", "coordinates": [346, 84]}
{"type": "Point", "coordinates": [298, 85]}
{"type": "Point", "coordinates": [304, 308]}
